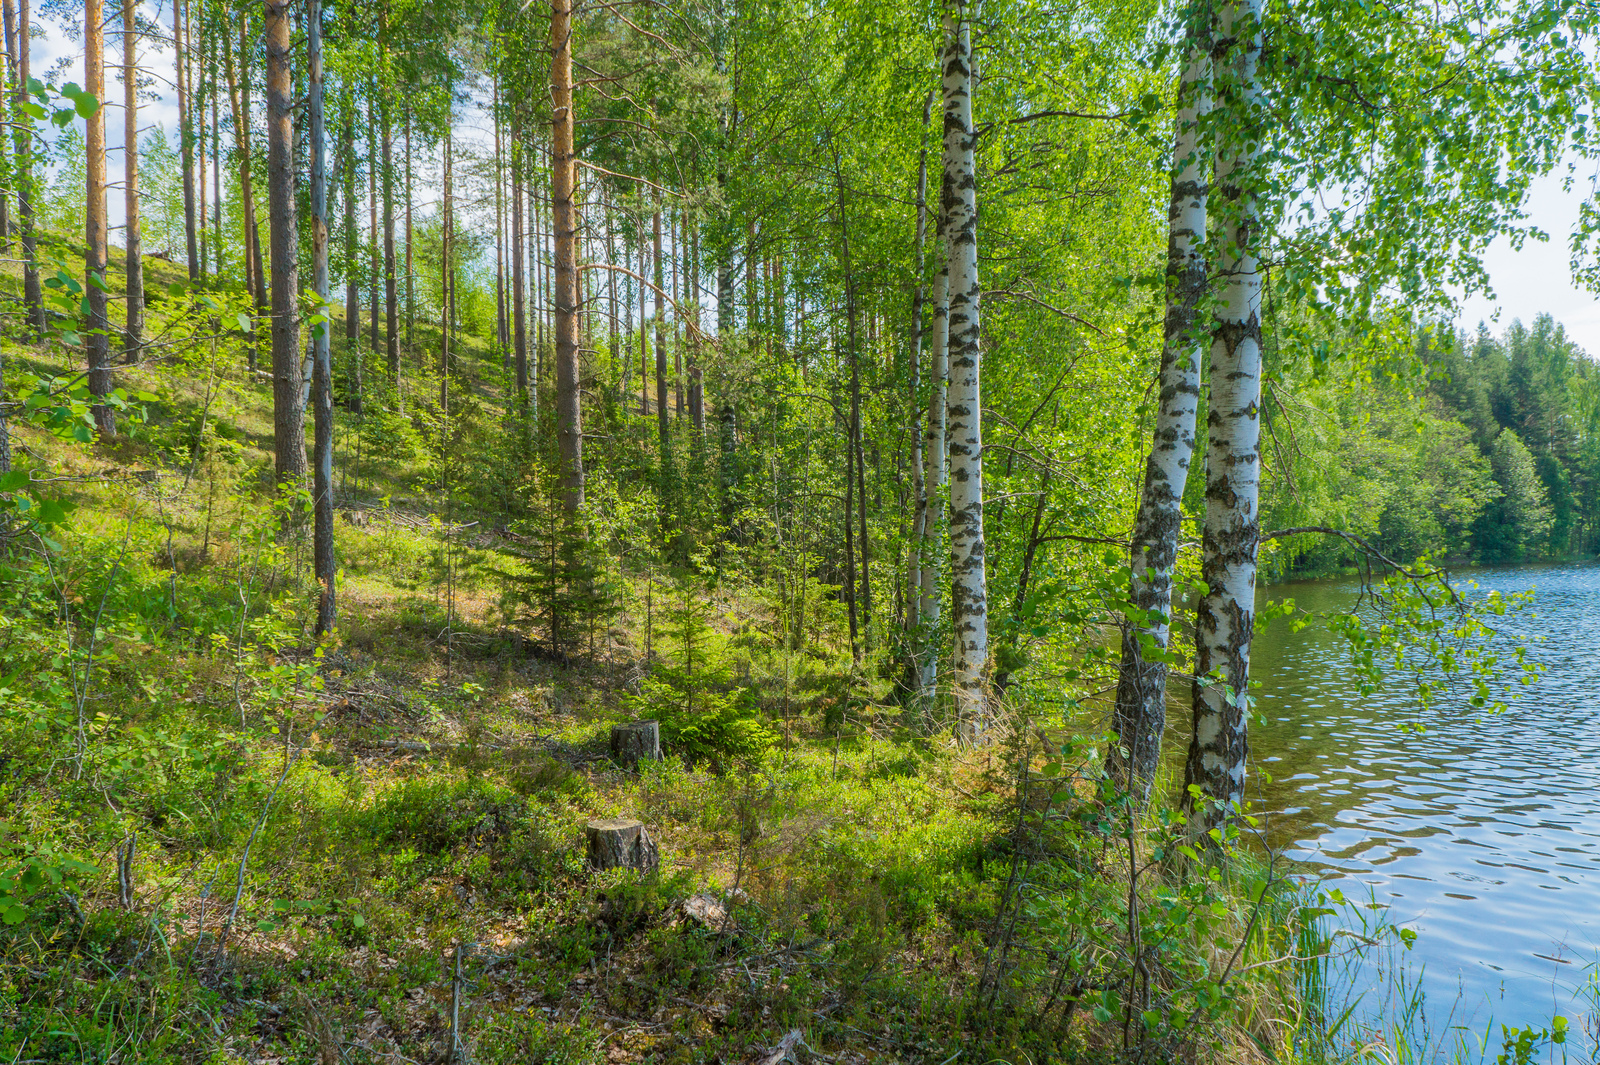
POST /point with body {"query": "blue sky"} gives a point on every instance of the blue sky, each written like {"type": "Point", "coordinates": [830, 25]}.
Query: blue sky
{"type": "Point", "coordinates": [1538, 279]}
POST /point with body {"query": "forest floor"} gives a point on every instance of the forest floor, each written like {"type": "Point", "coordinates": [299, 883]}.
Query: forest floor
{"type": "Point", "coordinates": [364, 849]}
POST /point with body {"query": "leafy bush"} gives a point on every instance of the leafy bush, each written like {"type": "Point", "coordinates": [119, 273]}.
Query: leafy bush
{"type": "Point", "coordinates": [436, 816]}
{"type": "Point", "coordinates": [708, 725]}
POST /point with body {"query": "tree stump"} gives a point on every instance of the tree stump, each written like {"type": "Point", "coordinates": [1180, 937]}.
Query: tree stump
{"type": "Point", "coordinates": [635, 740]}
{"type": "Point", "coordinates": [621, 843]}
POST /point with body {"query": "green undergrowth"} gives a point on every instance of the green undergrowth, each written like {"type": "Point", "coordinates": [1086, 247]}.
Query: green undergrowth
{"type": "Point", "coordinates": [392, 802]}
{"type": "Point", "coordinates": [224, 840]}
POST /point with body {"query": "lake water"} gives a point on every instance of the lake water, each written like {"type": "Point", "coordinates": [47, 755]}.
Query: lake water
{"type": "Point", "coordinates": [1481, 833]}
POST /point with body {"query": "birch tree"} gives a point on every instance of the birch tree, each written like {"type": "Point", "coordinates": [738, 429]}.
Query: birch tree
{"type": "Point", "coordinates": [1225, 617]}
{"type": "Point", "coordinates": [969, 613]}
{"type": "Point", "coordinates": [1141, 706]}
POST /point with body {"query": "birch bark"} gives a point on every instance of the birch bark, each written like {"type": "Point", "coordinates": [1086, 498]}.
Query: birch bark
{"type": "Point", "coordinates": [969, 614]}
{"type": "Point", "coordinates": [1141, 707]}
{"type": "Point", "coordinates": [1225, 619]}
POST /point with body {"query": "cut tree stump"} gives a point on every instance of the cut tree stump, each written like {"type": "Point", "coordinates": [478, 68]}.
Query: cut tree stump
{"type": "Point", "coordinates": [620, 843]}
{"type": "Point", "coordinates": [635, 740]}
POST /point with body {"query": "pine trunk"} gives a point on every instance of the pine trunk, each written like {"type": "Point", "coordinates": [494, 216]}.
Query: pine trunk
{"type": "Point", "coordinates": [919, 496]}
{"type": "Point", "coordinates": [502, 324]}
{"type": "Point", "coordinates": [969, 611]}
{"type": "Point", "coordinates": [239, 104]}
{"type": "Point", "coordinates": [185, 137]}
{"type": "Point", "coordinates": [391, 304]}
{"type": "Point", "coordinates": [446, 281]}
{"type": "Point", "coordinates": [1141, 707]}
{"type": "Point", "coordinates": [374, 244]}
{"type": "Point", "coordinates": [644, 328]}
{"type": "Point", "coordinates": [97, 329]}
{"type": "Point", "coordinates": [519, 242]}
{"type": "Point", "coordinates": [563, 176]}
{"type": "Point", "coordinates": [1225, 618]}
{"type": "Point", "coordinates": [133, 332]}
{"type": "Point", "coordinates": [322, 358]}
{"type": "Point", "coordinates": [32, 290]}
{"type": "Point", "coordinates": [663, 427]}
{"type": "Point", "coordinates": [411, 304]}
{"type": "Point", "coordinates": [352, 281]}
{"type": "Point", "coordinates": [936, 472]}
{"type": "Point", "coordinates": [288, 412]}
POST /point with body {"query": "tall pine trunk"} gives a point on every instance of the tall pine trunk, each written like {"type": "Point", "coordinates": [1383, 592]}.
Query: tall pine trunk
{"type": "Point", "coordinates": [644, 329]}
{"type": "Point", "coordinates": [133, 331]}
{"type": "Point", "coordinates": [352, 277]}
{"type": "Point", "coordinates": [663, 427]}
{"type": "Point", "coordinates": [239, 102]}
{"type": "Point", "coordinates": [446, 277]}
{"type": "Point", "coordinates": [391, 305]}
{"type": "Point", "coordinates": [1141, 708]}
{"type": "Point", "coordinates": [322, 357]}
{"type": "Point", "coordinates": [519, 243]}
{"type": "Point", "coordinates": [936, 470]}
{"type": "Point", "coordinates": [411, 304]}
{"type": "Point", "coordinates": [32, 290]}
{"type": "Point", "coordinates": [185, 136]}
{"type": "Point", "coordinates": [288, 412]}
{"type": "Point", "coordinates": [919, 494]}
{"type": "Point", "coordinates": [502, 324]}
{"type": "Point", "coordinates": [197, 111]}
{"type": "Point", "coordinates": [563, 175]}
{"type": "Point", "coordinates": [969, 609]}
{"type": "Point", "coordinates": [1225, 618]}
{"type": "Point", "coordinates": [11, 97]}
{"type": "Point", "coordinates": [97, 329]}
{"type": "Point", "coordinates": [374, 244]}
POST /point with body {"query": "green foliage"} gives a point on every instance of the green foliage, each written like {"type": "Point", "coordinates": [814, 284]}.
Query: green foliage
{"type": "Point", "coordinates": [30, 870]}
{"type": "Point", "coordinates": [691, 689]}
{"type": "Point", "coordinates": [568, 584]}
{"type": "Point", "coordinates": [1518, 523]}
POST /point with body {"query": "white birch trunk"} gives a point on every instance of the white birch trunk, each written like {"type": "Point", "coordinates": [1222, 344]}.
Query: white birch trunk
{"type": "Point", "coordinates": [1225, 619]}
{"type": "Point", "coordinates": [1141, 707]}
{"type": "Point", "coordinates": [969, 613]}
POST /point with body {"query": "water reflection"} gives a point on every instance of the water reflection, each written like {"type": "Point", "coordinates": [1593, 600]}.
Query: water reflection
{"type": "Point", "coordinates": [1482, 832]}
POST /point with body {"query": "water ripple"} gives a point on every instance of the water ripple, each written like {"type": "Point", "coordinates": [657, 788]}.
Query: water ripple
{"type": "Point", "coordinates": [1479, 829]}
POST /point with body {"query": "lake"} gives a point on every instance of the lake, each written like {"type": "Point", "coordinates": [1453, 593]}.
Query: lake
{"type": "Point", "coordinates": [1482, 833]}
